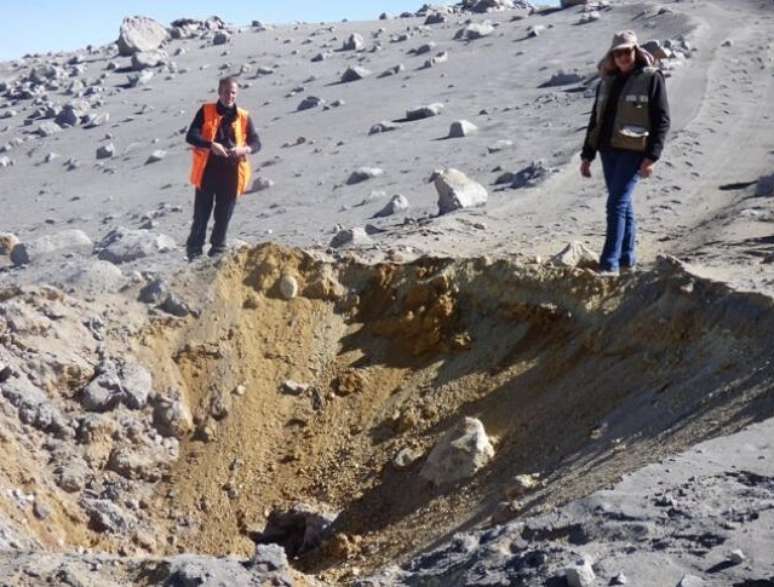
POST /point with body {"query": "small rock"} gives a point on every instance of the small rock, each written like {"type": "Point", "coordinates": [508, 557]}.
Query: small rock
{"type": "Point", "coordinates": [462, 128]}
{"type": "Point", "coordinates": [172, 418]}
{"type": "Point", "coordinates": [381, 127]}
{"type": "Point", "coordinates": [351, 236]}
{"type": "Point", "coordinates": [8, 242]}
{"type": "Point", "coordinates": [736, 557]}
{"type": "Point", "coordinates": [575, 254]}
{"type": "Point", "coordinates": [294, 388]}
{"type": "Point", "coordinates": [156, 156]}
{"type": "Point", "coordinates": [64, 242]}
{"type": "Point", "coordinates": [474, 31]}
{"type": "Point", "coordinates": [355, 73]}
{"type": "Point", "coordinates": [354, 42]}
{"type": "Point", "coordinates": [405, 458]}
{"type": "Point", "coordinates": [619, 579]}
{"type": "Point", "coordinates": [310, 102]}
{"type": "Point", "coordinates": [459, 454]}
{"type": "Point", "coordinates": [288, 287]}
{"type": "Point", "coordinates": [364, 174]}
{"type": "Point", "coordinates": [424, 111]}
{"type": "Point", "coordinates": [456, 190]}
{"type": "Point", "coordinates": [581, 574]}
{"type": "Point", "coordinates": [221, 38]}
{"type": "Point", "coordinates": [106, 151]}
{"type": "Point", "coordinates": [398, 203]}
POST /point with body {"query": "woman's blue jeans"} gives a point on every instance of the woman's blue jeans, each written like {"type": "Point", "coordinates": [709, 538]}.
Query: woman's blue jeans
{"type": "Point", "coordinates": [621, 176]}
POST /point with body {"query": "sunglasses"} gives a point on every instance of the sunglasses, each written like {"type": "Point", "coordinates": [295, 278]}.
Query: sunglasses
{"type": "Point", "coordinates": [622, 52]}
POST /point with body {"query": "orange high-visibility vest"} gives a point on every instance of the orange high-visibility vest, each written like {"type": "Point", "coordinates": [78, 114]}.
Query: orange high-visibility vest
{"type": "Point", "coordinates": [209, 130]}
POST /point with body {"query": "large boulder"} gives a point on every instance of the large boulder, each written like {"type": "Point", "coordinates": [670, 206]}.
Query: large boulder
{"type": "Point", "coordinates": [459, 454]}
{"type": "Point", "coordinates": [66, 241]}
{"type": "Point", "coordinates": [456, 190]}
{"type": "Point", "coordinates": [140, 33]}
{"type": "Point", "coordinates": [153, 58]}
{"type": "Point", "coordinates": [123, 245]}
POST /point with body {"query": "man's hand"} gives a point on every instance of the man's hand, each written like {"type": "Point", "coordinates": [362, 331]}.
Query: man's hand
{"type": "Point", "coordinates": [585, 168]}
{"type": "Point", "coordinates": [239, 152]}
{"type": "Point", "coordinates": [646, 169]}
{"type": "Point", "coordinates": [218, 150]}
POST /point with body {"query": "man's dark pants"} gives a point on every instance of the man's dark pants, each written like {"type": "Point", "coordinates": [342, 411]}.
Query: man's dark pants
{"type": "Point", "coordinates": [219, 186]}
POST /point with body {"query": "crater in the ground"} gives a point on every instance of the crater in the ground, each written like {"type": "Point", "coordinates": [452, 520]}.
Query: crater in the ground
{"type": "Point", "coordinates": [577, 379]}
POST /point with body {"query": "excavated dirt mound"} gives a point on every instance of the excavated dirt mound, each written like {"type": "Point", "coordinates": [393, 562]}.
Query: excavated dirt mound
{"type": "Point", "coordinates": [577, 379]}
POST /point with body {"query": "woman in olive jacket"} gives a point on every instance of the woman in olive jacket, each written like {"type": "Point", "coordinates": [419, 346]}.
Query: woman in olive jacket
{"type": "Point", "coordinates": [628, 126]}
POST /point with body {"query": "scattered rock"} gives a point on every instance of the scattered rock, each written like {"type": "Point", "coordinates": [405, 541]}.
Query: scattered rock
{"type": "Point", "coordinates": [424, 111]}
{"type": "Point", "coordinates": [48, 128]}
{"type": "Point", "coordinates": [690, 581]}
{"type": "Point", "coordinates": [64, 242]}
{"type": "Point", "coordinates": [310, 102]}
{"type": "Point", "coordinates": [294, 388]}
{"type": "Point", "coordinates": [139, 79]}
{"type": "Point", "coordinates": [395, 70]}
{"type": "Point", "coordinates": [765, 186]}
{"type": "Point", "coordinates": [563, 78]}
{"type": "Point", "coordinates": [153, 58]}
{"type": "Point", "coordinates": [261, 183]}
{"type": "Point", "coordinates": [123, 245]}
{"type": "Point", "coordinates": [351, 236]}
{"type": "Point", "coordinates": [384, 126]}
{"type": "Point", "coordinates": [462, 128]}
{"type": "Point", "coordinates": [355, 73]}
{"type": "Point", "coordinates": [354, 42]}
{"type": "Point", "coordinates": [221, 38]}
{"type": "Point", "coordinates": [398, 203]}
{"type": "Point", "coordinates": [459, 454]}
{"type": "Point", "coordinates": [456, 190]}
{"type": "Point", "coordinates": [532, 175]}
{"type": "Point", "coordinates": [500, 145]}
{"type": "Point", "coordinates": [575, 254]}
{"type": "Point", "coordinates": [153, 293]}
{"type": "Point", "coordinates": [405, 458]}
{"type": "Point", "coordinates": [474, 31]}
{"type": "Point", "coordinates": [581, 574]}
{"type": "Point", "coordinates": [156, 156]}
{"type": "Point", "coordinates": [106, 151]}
{"type": "Point", "coordinates": [8, 242]}
{"type": "Point", "coordinates": [364, 174]}
{"type": "Point", "coordinates": [172, 418]}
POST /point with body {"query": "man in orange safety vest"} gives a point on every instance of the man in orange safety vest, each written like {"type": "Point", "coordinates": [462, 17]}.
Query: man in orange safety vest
{"type": "Point", "coordinates": [222, 136]}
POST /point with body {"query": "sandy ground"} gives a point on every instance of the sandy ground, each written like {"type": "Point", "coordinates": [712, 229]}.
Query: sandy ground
{"type": "Point", "coordinates": [665, 358]}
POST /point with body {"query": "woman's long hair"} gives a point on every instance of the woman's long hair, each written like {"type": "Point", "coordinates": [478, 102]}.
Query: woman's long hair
{"type": "Point", "coordinates": [642, 58]}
